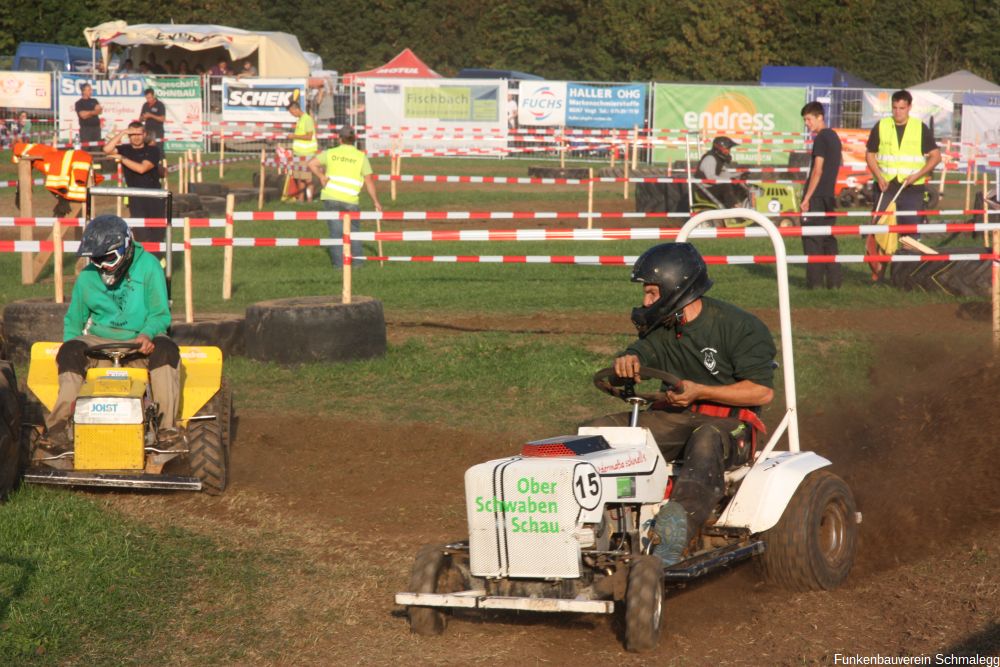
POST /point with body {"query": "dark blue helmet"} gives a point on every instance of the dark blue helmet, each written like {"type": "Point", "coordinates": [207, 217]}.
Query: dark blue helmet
{"type": "Point", "coordinates": [107, 242]}
{"type": "Point", "coordinates": [682, 276]}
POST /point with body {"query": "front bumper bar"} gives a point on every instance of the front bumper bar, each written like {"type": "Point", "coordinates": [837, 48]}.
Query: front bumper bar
{"type": "Point", "coordinates": [477, 599]}
{"type": "Point", "coordinates": [118, 480]}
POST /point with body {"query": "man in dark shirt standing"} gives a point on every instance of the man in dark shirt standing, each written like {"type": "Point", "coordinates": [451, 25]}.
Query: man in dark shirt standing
{"type": "Point", "coordinates": [89, 110]}
{"type": "Point", "coordinates": [139, 161]}
{"type": "Point", "coordinates": [819, 198]}
{"type": "Point", "coordinates": [154, 114]}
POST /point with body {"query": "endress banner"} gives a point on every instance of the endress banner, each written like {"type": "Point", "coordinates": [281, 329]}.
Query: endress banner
{"type": "Point", "coordinates": [122, 98]}
{"type": "Point", "coordinates": [741, 112]}
{"type": "Point", "coordinates": [26, 90]}
{"type": "Point", "coordinates": [466, 112]}
{"type": "Point", "coordinates": [556, 103]}
{"type": "Point", "coordinates": [261, 100]}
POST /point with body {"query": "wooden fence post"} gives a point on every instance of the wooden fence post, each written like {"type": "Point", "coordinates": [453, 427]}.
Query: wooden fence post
{"type": "Point", "coordinates": [26, 211]}
{"type": "Point", "coordinates": [345, 295]}
{"type": "Point", "coordinates": [188, 282]}
{"type": "Point", "coordinates": [227, 252]}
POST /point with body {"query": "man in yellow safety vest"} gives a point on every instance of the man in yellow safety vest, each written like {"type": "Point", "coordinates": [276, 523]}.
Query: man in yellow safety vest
{"type": "Point", "coordinates": [304, 146]}
{"type": "Point", "coordinates": [343, 171]}
{"type": "Point", "coordinates": [900, 153]}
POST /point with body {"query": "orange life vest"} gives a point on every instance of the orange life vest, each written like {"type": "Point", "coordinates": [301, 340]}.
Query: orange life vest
{"type": "Point", "coordinates": [66, 172]}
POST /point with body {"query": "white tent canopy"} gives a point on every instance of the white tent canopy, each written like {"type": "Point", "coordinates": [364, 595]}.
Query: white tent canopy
{"type": "Point", "coordinates": [278, 53]}
{"type": "Point", "coordinates": [962, 81]}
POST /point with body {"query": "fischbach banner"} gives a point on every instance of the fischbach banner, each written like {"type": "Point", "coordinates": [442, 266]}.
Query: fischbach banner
{"type": "Point", "coordinates": [26, 90]}
{"type": "Point", "coordinates": [570, 104]}
{"type": "Point", "coordinates": [261, 100]}
{"type": "Point", "coordinates": [980, 119]}
{"type": "Point", "coordinates": [935, 109]}
{"type": "Point", "coordinates": [122, 98]}
{"type": "Point", "coordinates": [740, 112]}
{"type": "Point", "coordinates": [466, 114]}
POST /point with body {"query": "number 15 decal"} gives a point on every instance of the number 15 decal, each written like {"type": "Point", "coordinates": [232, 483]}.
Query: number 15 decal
{"type": "Point", "coordinates": [587, 486]}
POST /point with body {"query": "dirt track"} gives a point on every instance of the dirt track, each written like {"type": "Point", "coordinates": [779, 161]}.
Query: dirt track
{"type": "Point", "coordinates": [920, 458]}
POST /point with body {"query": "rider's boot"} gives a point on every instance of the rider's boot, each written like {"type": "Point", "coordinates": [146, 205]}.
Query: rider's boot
{"type": "Point", "coordinates": [670, 533]}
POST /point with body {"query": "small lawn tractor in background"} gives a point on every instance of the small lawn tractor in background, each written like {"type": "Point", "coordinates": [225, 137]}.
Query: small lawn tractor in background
{"type": "Point", "coordinates": [563, 526]}
{"type": "Point", "coordinates": [114, 423]}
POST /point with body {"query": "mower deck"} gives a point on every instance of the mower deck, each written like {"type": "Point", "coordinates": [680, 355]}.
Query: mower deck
{"type": "Point", "coordinates": [115, 480]}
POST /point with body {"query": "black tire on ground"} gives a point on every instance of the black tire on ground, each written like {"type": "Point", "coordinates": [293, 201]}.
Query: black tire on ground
{"type": "Point", "coordinates": [433, 572]}
{"type": "Point", "coordinates": [315, 328]}
{"type": "Point", "coordinates": [210, 189]}
{"type": "Point", "coordinates": [956, 278]}
{"type": "Point", "coordinates": [11, 459]}
{"type": "Point", "coordinates": [208, 442]}
{"type": "Point", "coordinates": [650, 198]}
{"type": "Point", "coordinates": [933, 198]}
{"type": "Point", "coordinates": [799, 159]}
{"type": "Point", "coordinates": [214, 205]}
{"type": "Point", "coordinates": [246, 194]}
{"type": "Point", "coordinates": [29, 321]}
{"type": "Point", "coordinates": [270, 180]}
{"type": "Point", "coordinates": [812, 547]}
{"type": "Point", "coordinates": [556, 172]}
{"type": "Point", "coordinates": [848, 198]}
{"type": "Point", "coordinates": [223, 330]}
{"type": "Point", "coordinates": [270, 194]}
{"type": "Point", "coordinates": [644, 604]}
{"type": "Point", "coordinates": [184, 203]}
{"type": "Point", "coordinates": [197, 213]}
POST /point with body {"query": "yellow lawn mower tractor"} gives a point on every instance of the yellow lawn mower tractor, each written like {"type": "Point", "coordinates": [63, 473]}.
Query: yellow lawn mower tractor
{"type": "Point", "coordinates": [115, 420]}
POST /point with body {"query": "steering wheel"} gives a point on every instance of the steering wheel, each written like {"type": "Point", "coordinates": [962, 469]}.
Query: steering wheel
{"type": "Point", "coordinates": [113, 352]}
{"type": "Point", "coordinates": [624, 388]}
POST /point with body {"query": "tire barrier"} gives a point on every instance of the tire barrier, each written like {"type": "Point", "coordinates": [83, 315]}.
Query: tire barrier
{"type": "Point", "coordinates": [955, 278]}
{"type": "Point", "coordinates": [556, 172]}
{"type": "Point", "coordinates": [28, 321]}
{"type": "Point", "coordinates": [225, 331]}
{"type": "Point", "coordinates": [315, 328]}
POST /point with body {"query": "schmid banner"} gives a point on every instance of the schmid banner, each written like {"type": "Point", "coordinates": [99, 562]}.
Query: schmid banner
{"type": "Point", "coordinates": [935, 109]}
{"type": "Point", "coordinates": [464, 114]}
{"type": "Point", "coordinates": [122, 98]}
{"type": "Point", "coordinates": [26, 90]}
{"type": "Point", "coordinates": [980, 120]}
{"type": "Point", "coordinates": [744, 113]}
{"type": "Point", "coordinates": [556, 103]}
{"type": "Point", "coordinates": [261, 100]}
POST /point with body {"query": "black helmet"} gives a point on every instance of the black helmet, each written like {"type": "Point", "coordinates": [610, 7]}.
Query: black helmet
{"type": "Point", "coordinates": [723, 143]}
{"type": "Point", "coordinates": [680, 272]}
{"type": "Point", "coordinates": [107, 241]}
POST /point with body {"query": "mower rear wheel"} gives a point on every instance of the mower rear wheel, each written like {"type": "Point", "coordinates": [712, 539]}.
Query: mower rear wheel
{"type": "Point", "coordinates": [812, 546]}
{"type": "Point", "coordinates": [644, 604]}
{"type": "Point", "coordinates": [433, 572]}
{"type": "Point", "coordinates": [208, 442]}
{"type": "Point", "coordinates": [11, 453]}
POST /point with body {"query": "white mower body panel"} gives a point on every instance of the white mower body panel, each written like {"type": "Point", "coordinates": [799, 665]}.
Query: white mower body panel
{"type": "Point", "coordinates": [530, 515]}
{"type": "Point", "coordinates": [767, 489]}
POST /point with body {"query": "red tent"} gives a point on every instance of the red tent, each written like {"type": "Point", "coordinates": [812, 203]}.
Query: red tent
{"type": "Point", "coordinates": [406, 65]}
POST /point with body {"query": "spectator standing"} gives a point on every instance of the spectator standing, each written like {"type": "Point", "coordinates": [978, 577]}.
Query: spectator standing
{"type": "Point", "coordinates": [88, 111]}
{"type": "Point", "coordinates": [153, 114]}
{"type": "Point", "coordinates": [140, 165]}
{"type": "Point", "coordinates": [24, 127]}
{"type": "Point", "coordinates": [343, 171]}
{"type": "Point", "coordinates": [819, 197]}
{"type": "Point", "coordinates": [900, 152]}
{"type": "Point", "coordinates": [304, 147]}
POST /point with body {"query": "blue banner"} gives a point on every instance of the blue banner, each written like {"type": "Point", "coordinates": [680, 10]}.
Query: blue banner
{"type": "Point", "coordinates": [605, 106]}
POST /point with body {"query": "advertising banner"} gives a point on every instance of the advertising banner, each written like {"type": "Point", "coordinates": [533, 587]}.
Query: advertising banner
{"type": "Point", "coordinates": [464, 114]}
{"type": "Point", "coordinates": [26, 90]}
{"type": "Point", "coordinates": [743, 113]}
{"type": "Point", "coordinates": [555, 103]}
{"type": "Point", "coordinates": [935, 109]}
{"type": "Point", "coordinates": [980, 121]}
{"type": "Point", "coordinates": [261, 100]}
{"type": "Point", "coordinates": [122, 98]}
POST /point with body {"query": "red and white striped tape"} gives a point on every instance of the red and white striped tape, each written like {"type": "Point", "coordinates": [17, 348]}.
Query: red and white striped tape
{"type": "Point", "coordinates": [628, 260]}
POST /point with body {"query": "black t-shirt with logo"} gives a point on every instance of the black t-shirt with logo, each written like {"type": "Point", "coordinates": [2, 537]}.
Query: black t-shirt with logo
{"type": "Point", "coordinates": [722, 346]}
{"type": "Point", "coordinates": [827, 146]}
{"type": "Point", "coordinates": [88, 105]}
{"type": "Point", "coordinates": [133, 179]}
{"type": "Point", "coordinates": [156, 108]}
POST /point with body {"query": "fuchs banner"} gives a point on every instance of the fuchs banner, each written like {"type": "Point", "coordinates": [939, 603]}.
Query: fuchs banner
{"type": "Point", "coordinates": [557, 103]}
{"type": "Point", "coordinates": [436, 114]}
{"type": "Point", "coordinates": [743, 113]}
{"type": "Point", "coordinates": [122, 98]}
{"type": "Point", "coordinates": [261, 100]}
{"type": "Point", "coordinates": [26, 90]}
{"type": "Point", "coordinates": [935, 109]}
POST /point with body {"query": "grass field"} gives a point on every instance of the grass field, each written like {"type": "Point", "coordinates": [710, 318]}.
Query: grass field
{"type": "Point", "coordinates": [82, 584]}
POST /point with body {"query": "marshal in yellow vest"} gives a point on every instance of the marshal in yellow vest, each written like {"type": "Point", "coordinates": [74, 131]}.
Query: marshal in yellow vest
{"type": "Point", "coordinates": [898, 159]}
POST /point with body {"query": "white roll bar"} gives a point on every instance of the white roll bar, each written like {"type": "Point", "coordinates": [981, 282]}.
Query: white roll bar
{"type": "Point", "coordinates": [790, 421]}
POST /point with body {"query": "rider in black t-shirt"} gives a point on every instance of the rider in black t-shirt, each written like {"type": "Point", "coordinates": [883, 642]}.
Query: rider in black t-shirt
{"type": "Point", "coordinates": [140, 162]}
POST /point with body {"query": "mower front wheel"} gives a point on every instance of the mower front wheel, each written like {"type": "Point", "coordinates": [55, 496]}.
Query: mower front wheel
{"type": "Point", "coordinates": [644, 604]}
{"type": "Point", "coordinates": [433, 572]}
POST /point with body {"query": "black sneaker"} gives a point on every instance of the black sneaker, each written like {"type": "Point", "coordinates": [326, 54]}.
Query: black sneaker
{"type": "Point", "coordinates": [53, 444]}
{"type": "Point", "coordinates": [170, 439]}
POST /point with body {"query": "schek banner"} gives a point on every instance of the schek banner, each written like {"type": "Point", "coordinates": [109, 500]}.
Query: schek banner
{"type": "Point", "coordinates": [261, 100]}
{"type": "Point", "coordinates": [709, 111]}
{"type": "Point", "coordinates": [558, 103]}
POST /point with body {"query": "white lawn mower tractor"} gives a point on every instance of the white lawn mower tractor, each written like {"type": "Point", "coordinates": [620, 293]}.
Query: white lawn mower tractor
{"type": "Point", "coordinates": [565, 524]}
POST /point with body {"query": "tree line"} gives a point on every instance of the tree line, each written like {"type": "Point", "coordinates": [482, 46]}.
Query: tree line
{"type": "Point", "coordinates": [891, 43]}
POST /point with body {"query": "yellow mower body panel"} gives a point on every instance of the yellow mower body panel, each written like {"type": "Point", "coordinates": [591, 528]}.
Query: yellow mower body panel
{"type": "Point", "coordinates": [109, 447]}
{"type": "Point", "coordinates": [43, 377]}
